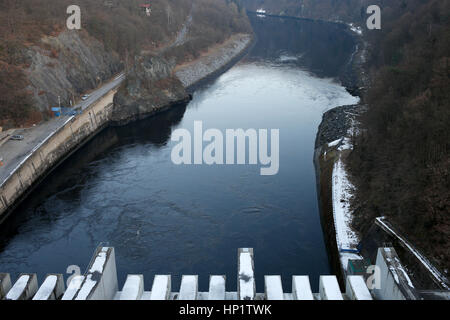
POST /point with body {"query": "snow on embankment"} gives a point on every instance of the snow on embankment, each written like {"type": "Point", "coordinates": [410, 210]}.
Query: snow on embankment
{"type": "Point", "coordinates": [346, 238]}
{"type": "Point", "coordinates": [212, 61]}
{"type": "Point", "coordinates": [332, 146]}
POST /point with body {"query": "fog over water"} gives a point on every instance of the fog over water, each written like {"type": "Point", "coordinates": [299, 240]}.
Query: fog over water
{"type": "Point", "coordinates": [123, 189]}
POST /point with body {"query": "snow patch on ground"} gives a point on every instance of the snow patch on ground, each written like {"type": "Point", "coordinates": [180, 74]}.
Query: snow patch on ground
{"type": "Point", "coordinates": [334, 143]}
{"type": "Point", "coordinates": [346, 238]}
{"type": "Point", "coordinates": [346, 144]}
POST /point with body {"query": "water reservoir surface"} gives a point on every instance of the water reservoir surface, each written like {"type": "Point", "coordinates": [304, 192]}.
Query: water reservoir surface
{"type": "Point", "coordinates": [122, 188]}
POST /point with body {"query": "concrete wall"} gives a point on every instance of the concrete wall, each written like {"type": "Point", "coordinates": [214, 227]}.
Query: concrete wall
{"type": "Point", "coordinates": [60, 144]}
{"type": "Point", "coordinates": [394, 282]}
{"type": "Point", "coordinates": [101, 280]}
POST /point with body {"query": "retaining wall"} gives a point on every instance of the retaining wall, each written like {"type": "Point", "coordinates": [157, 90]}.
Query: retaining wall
{"type": "Point", "coordinates": [52, 151]}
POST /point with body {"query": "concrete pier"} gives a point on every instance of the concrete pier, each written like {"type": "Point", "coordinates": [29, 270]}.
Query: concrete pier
{"type": "Point", "coordinates": [329, 288]}
{"type": "Point", "coordinates": [133, 287]}
{"type": "Point", "coordinates": [51, 289]}
{"type": "Point", "coordinates": [189, 288]}
{"type": "Point", "coordinates": [100, 283]}
{"type": "Point", "coordinates": [73, 287]}
{"type": "Point", "coordinates": [357, 288]}
{"type": "Point", "coordinates": [5, 284]}
{"type": "Point", "coordinates": [273, 288]}
{"type": "Point", "coordinates": [161, 288]}
{"type": "Point", "coordinates": [246, 275]}
{"type": "Point", "coordinates": [301, 288]}
{"type": "Point", "coordinates": [217, 288]}
{"type": "Point", "coordinates": [24, 288]}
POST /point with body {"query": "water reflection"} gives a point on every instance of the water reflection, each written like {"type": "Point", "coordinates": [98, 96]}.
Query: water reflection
{"type": "Point", "coordinates": [322, 48]}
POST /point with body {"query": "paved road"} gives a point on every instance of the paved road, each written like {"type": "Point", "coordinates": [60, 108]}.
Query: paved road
{"type": "Point", "coordinates": [16, 152]}
{"type": "Point", "coordinates": [97, 94]}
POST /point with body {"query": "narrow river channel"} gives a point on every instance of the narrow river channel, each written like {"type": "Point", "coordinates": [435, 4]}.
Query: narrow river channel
{"type": "Point", "coordinates": [123, 189]}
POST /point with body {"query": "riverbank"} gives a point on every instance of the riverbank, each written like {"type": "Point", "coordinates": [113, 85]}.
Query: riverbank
{"type": "Point", "coordinates": [334, 190]}
{"type": "Point", "coordinates": [214, 62]}
{"type": "Point", "coordinates": [344, 244]}
{"type": "Point", "coordinates": [332, 146]}
{"type": "Point", "coordinates": [76, 130]}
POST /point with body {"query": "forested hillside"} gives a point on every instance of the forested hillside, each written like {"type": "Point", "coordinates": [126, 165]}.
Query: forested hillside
{"type": "Point", "coordinates": [400, 163]}
{"type": "Point", "coordinates": [121, 27]}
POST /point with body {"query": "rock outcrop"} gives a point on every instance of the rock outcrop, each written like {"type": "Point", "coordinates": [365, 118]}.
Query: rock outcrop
{"type": "Point", "coordinates": [336, 123]}
{"type": "Point", "coordinates": [149, 88]}
{"type": "Point", "coordinates": [68, 65]}
{"type": "Point", "coordinates": [215, 60]}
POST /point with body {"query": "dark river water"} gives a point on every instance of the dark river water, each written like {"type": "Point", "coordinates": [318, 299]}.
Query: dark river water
{"type": "Point", "coordinates": [122, 188]}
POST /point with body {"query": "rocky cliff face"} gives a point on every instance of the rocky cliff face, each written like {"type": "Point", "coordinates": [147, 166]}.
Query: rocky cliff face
{"type": "Point", "coordinates": [150, 87]}
{"type": "Point", "coordinates": [68, 65]}
{"type": "Point", "coordinates": [216, 60]}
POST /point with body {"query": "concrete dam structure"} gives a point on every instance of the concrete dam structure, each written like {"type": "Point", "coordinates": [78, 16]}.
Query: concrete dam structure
{"type": "Point", "coordinates": [100, 282]}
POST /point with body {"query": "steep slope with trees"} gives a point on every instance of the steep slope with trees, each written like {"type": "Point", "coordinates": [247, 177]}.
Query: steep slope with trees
{"type": "Point", "coordinates": [400, 163]}
{"type": "Point", "coordinates": [40, 59]}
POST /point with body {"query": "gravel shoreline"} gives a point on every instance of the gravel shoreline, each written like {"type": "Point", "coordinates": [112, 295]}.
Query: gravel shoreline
{"type": "Point", "coordinates": [193, 72]}
{"type": "Point", "coordinates": [335, 125]}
